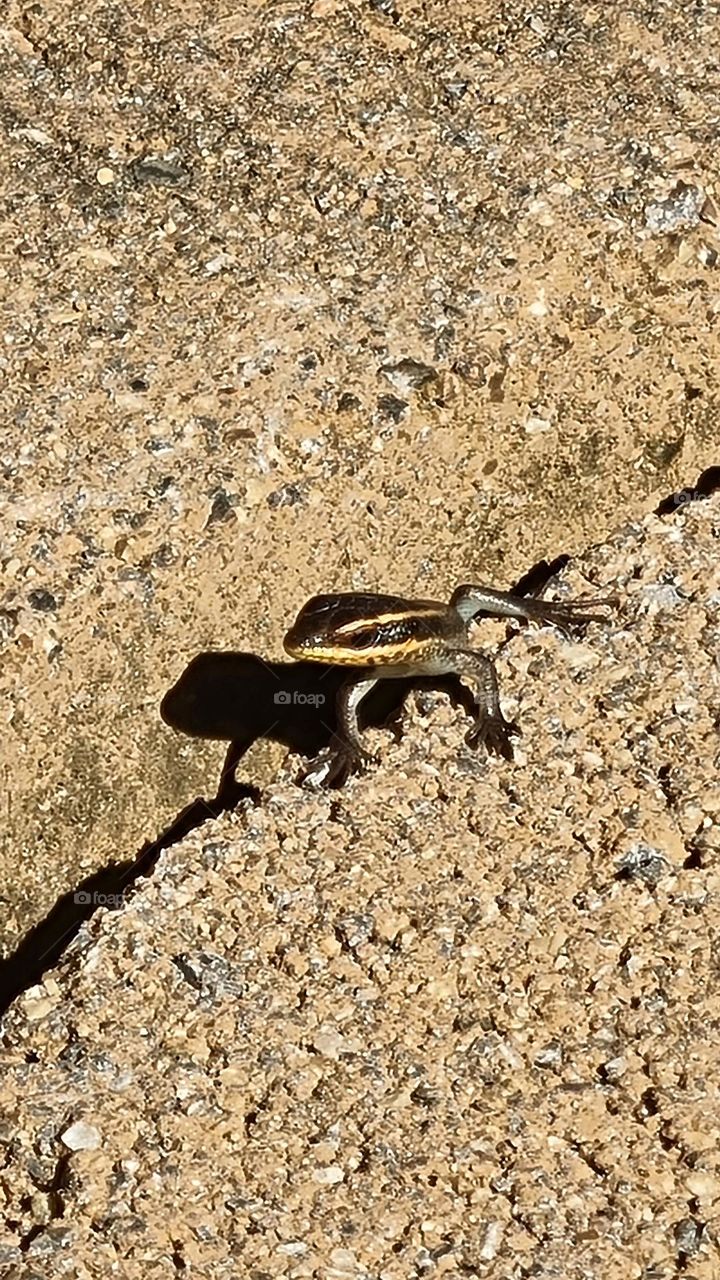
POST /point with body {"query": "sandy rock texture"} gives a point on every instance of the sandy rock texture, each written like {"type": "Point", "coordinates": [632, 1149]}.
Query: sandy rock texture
{"type": "Point", "coordinates": [303, 296]}
{"type": "Point", "coordinates": [459, 1018]}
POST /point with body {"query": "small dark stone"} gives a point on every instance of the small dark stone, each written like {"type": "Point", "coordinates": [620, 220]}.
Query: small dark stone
{"type": "Point", "coordinates": [392, 407]}
{"type": "Point", "coordinates": [551, 1055]}
{"type": "Point", "coordinates": [164, 556]}
{"type": "Point", "coordinates": [190, 971]}
{"type": "Point", "coordinates": [356, 929]}
{"type": "Point", "coordinates": [454, 90]}
{"type": "Point", "coordinates": [426, 1094]}
{"type": "Point", "coordinates": [158, 171]}
{"type": "Point", "coordinates": [42, 601]}
{"type": "Point", "coordinates": [407, 373]}
{"type": "Point", "coordinates": [216, 852]}
{"type": "Point", "coordinates": [385, 6]}
{"type": "Point", "coordinates": [347, 402]}
{"type": "Point", "coordinates": [8, 622]}
{"type": "Point", "coordinates": [138, 384]}
{"type": "Point", "coordinates": [643, 862]}
{"type": "Point", "coordinates": [688, 1235]}
{"type": "Point", "coordinates": [287, 496]}
{"type": "Point", "coordinates": [139, 577]}
{"type": "Point", "coordinates": [495, 383]}
{"type": "Point", "coordinates": [212, 975]}
{"type": "Point", "coordinates": [222, 508]}
{"type": "Point", "coordinates": [591, 315]}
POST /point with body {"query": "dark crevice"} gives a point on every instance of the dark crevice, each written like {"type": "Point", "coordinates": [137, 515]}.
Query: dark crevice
{"type": "Point", "coordinates": [707, 483]}
{"type": "Point", "coordinates": [668, 1142]}
{"type": "Point", "coordinates": [650, 1102]}
{"type": "Point", "coordinates": [178, 1260]}
{"type": "Point", "coordinates": [251, 1118]}
{"type": "Point", "coordinates": [591, 1160]}
{"type": "Point", "coordinates": [694, 860]}
{"type": "Point", "coordinates": [664, 776]}
{"type": "Point", "coordinates": [27, 1239]}
{"type": "Point", "coordinates": [56, 1200]}
{"type": "Point", "coordinates": [43, 946]}
{"type": "Point", "coordinates": [537, 578]}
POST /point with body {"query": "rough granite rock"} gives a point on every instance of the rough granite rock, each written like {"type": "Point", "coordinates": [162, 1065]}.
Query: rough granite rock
{"type": "Point", "coordinates": [308, 295]}
{"type": "Point", "coordinates": [458, 1019]}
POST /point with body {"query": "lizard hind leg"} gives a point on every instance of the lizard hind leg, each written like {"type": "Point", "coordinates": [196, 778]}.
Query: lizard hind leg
{"type": "Point", "coordinates": [476, 601]}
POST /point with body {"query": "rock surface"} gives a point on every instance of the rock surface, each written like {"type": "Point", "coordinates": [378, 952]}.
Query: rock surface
{"type": "Point", "coordinates": [319, 295]}
{"type": "Point", "coordinates": [458, 1019]}
{"type": "Point", "coordinates": [312, 296]}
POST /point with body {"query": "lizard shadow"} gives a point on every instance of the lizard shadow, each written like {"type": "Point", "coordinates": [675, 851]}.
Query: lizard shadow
{"type": "Point", "coordinates": [240, 698]}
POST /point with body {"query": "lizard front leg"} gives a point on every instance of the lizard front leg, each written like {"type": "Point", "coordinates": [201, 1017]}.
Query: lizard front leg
{"type": "Point", "coordinates": [346, 753]}
{"type": "Point", "coordinates": [491, 729]}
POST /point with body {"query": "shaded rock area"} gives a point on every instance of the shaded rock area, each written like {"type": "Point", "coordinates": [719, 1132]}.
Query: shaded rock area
{"type": "Point", "coordinates": [459, 1018]}
{"type": "Point", "coordinates": [306, 296]}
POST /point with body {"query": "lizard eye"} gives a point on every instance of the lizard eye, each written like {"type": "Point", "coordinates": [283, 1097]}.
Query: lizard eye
{"type": "Point", "coordinates": [362, 639]}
